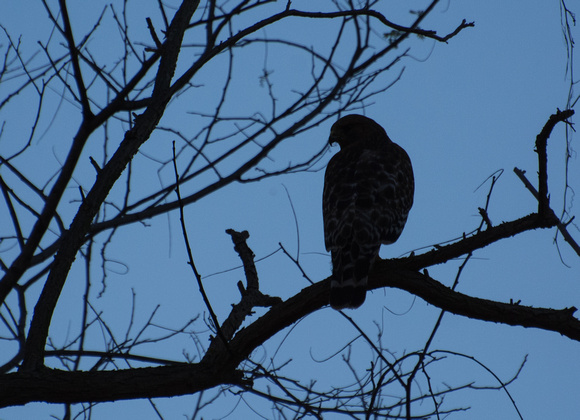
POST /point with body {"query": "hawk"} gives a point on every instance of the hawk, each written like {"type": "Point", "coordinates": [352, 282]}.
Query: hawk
{"type": "Point", "coordinates": [368, 192]}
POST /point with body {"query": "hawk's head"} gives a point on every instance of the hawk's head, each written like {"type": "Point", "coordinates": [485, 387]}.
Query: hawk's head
{"type": "Point", "coordinates": [357, 129]}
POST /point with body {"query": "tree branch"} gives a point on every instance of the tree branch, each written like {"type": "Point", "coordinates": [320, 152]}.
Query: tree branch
{"type": "Point", "coordinates": [435, 293]}
{"type": "Point", "coordinates": [59, 386]}
{"type": "Point", "coordinates": [56, 386]}
{"type": "Point", "coordinates": [541, 150]}
{"type": "Point", "coordinates": [562, 227]}
{"type": "Point", "coordinates": [196, 274]}
{"type": "Point", "coordinates": [393, 273]}
{"type": "Point", "coordinates": [74, 237]}
{"type": "Point", "coordinates": [74, 54]}
{"type": "Point", "coordinates": [251, 295]}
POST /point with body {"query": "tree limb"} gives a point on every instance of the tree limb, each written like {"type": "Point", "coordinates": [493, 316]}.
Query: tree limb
{"type": "Point", "coordinates": [74, 237]}
{"type": "Point", "coordinates": [541, 150]}
{"type": "Point", "coordinates": [57, 386]}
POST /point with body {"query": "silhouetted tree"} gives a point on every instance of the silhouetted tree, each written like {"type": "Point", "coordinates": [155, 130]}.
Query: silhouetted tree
{"type": "Point", "coordinates": [152, 113]}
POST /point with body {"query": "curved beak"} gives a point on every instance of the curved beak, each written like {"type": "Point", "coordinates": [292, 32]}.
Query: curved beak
{"type": "Point", "coordinates": [333, 138]}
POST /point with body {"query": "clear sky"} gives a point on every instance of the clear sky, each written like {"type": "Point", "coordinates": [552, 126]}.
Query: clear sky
{"type": "Point", "coordinates": [462, 110]}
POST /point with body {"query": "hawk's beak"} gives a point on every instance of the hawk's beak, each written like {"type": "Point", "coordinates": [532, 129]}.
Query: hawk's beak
{"type": "Point", "coordinates": [333, 138]}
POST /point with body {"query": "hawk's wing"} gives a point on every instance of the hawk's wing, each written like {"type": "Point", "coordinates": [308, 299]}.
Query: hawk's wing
{"type": "Point", "coordinates": [367, 196]}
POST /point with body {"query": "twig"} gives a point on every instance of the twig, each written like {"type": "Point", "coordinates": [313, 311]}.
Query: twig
{"type": "Point", "coordinates": [190, 255]}
{"type": "Point", "coordinates": [296, 262]}
{"type": "Point", "coordinates": [423, 353]}
{"type": "Point", "coordinates": [158, 43]}
{"type": "Point", "coordinates": [74, 53]}
{"type": "Point", "coordinates": [562, 227]}
{"type": "Point", "coordinates": [378, 352]}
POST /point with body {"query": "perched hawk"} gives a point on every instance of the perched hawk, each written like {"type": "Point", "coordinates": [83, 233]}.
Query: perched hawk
{"type": "Point", "coordinates": [368, 192]}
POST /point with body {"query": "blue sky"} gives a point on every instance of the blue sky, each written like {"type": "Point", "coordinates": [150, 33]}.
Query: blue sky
{"type": "Point", "coordinates": [462, 110]}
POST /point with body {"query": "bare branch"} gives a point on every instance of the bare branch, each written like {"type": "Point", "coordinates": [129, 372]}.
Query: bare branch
{"type": "Point", "coordinates": [74, 237]}
{"type": "Point", "coordinates": [541, 145]}
{"type": "Point", "coordinates": [220, 334]}
{"type": "Point", "coordinates": [562, 227]}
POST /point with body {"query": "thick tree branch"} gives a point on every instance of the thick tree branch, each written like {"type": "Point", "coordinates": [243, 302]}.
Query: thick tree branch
{"type": "Point", "coordinates": [74, 237]}
{"type": "Point", "coordinates": [435, 293]}
{"type": "Point", "coordinates": [392, 274]}
{"type": "Point", "coordinates": [442, 254]}
{"type": "Point", "coordinates": [56, 386]}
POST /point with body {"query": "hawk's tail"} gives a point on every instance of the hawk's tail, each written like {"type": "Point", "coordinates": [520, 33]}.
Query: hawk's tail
{"type": "Point", "coordinates": [350, 270]}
